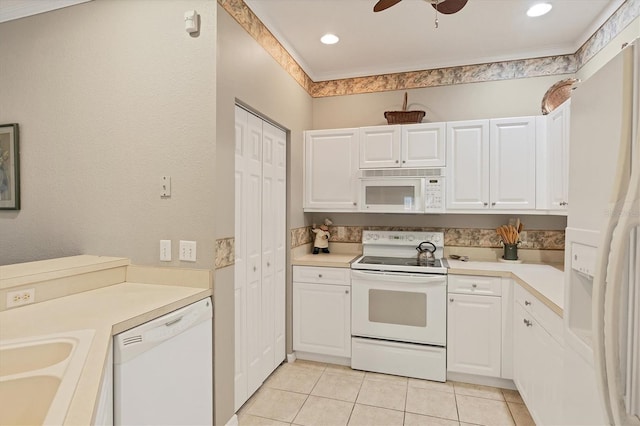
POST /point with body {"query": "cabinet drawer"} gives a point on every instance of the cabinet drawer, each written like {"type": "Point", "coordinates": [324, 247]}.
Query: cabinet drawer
{"type": "Point", "coordinates": [475, 284]}
{"type": "Point", "coordinates": [321, 275]}
{"type": "Point", "coordinates": [548, 319]}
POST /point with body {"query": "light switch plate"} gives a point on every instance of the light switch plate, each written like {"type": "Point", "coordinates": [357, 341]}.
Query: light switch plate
{"type": "Point", "coordinates": [165, 250]}
{"type": "Point", "coordinates": [165, 187]}
{"type": "Point", "coordinates": [188, 251]}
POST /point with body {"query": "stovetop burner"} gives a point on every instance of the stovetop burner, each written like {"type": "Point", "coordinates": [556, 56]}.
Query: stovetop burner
{"type": "Point", "coordinates": [399, 261]}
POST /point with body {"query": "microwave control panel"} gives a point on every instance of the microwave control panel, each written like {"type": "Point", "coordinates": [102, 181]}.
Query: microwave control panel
{"type": "Point", "coordinates": [434, 195]}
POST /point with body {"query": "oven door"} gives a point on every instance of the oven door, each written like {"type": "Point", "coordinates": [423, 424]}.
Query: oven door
{"type": "Point", "coordinates": [399, 306]}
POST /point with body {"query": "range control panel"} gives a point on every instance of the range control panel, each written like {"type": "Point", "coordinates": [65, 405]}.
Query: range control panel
{"type": "Point", "coordinates": [402, 238]}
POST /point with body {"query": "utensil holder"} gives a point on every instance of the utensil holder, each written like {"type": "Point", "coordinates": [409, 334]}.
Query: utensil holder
{"type": "Point", "coordinates": [510, 252]}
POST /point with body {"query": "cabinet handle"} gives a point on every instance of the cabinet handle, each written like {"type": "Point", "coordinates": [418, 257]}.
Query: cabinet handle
{"type": "Point", "coordinates": [346, 292]}
{"type": "Point", "coordinates": [255, 269]}
{"type": "Point", "coordinates": [397, 161]}
{"type": "Point", "coordinates": [403, 161]}
{"type": "Point", "coordinates": [268, 264]}
{"type": "Point", "coordinates": [319, 275]}
{"type": "Point", "coordinates": [527, 322]}
{"type": "Point", "coordinates": [485, 204]}
{"type": "Point", "coordinates": [493, 204]}
{"type": "Point", "coordinates": [355, 204]}
{"type": "Point", "coordinates": [451, 299]}
{"type": "Point", "coordinates": [527, 303]}
{"type": "Point", "coordinates": [474, 285]}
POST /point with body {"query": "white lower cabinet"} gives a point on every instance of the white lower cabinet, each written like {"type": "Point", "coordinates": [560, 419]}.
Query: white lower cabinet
{"type": "Point", "coordinates": [538, 358]}
{"type": "Point", "coordinates": [474, 329]}
{"type": "Point", "coordinates": [473, 335]}
{"type": "Point", "coordinates": [322, 311]}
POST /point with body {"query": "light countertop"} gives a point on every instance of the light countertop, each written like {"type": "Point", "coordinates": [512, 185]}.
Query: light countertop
{"type": "Point", "coordinates": [546, 282]}
{"type": "Point", "coordinates": [336, 260]}
{"type": "Point", "coordinates": [108, 310]}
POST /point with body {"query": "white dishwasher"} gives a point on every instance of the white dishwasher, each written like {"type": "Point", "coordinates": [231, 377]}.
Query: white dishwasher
{"type": "Point", "coordinates": [163, 369]}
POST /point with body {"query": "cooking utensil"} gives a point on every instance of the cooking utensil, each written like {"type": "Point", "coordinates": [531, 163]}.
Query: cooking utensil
{"type": "Point", "coordinates": [426, 254]}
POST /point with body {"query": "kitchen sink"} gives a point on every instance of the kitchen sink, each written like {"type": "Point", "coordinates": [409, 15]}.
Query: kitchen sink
{"type": "Point", "coordinates": [38, 376]}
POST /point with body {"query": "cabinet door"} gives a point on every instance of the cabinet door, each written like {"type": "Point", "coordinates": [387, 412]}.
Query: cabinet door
{"type": "Point", "coordinates": [547, 382]}
{"type": "Point", "coordinates": [474, 333]}
{"type": "Point", "coordinates": [423, 145]}
{"type": "Point", "coordinates": [513, 163]}
{"type": "Point", "coordinates": [379, 147]}
{"type": "Point", "coordinates": [322, 319]}
{"type": "Point", "coordinates": [468, 165]}
{"type": "Point", "coordinates": [331, 167]}
{"type": "Point", "coordinates": [523, 354]}
{"type": "Point", "coordinates": [558, 157]}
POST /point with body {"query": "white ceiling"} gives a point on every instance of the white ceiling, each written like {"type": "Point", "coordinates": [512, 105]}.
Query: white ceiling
{"type": "Point", "coordinates": [403, 37]}
{"type": "Point", "coordinates": [15, 9]}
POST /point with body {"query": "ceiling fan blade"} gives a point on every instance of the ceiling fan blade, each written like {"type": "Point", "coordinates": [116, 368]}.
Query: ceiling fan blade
{"type": "Point", "coordinates": [385, 4]}
{"type": "Point", "coordinates": [448, 7]}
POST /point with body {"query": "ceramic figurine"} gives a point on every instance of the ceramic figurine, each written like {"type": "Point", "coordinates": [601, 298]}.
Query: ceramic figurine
{"type": "Point", "coordinates": [322, 237]}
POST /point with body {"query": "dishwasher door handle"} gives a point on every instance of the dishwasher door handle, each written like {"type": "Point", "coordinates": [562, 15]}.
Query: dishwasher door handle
{"type": "Point", "coordinates": [172, 322]}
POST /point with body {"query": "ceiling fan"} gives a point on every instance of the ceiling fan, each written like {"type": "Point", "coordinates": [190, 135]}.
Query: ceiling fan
{"type": "Point", "coordinates": [442, 6]}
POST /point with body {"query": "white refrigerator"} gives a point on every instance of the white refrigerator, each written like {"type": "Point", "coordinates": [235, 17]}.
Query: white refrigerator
{"type": "Point", "coordinates": [602, 248]}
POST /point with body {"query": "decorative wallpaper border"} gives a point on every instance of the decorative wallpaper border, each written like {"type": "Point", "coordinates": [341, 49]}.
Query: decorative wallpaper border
{"type": "Point", "coordinates": [453, 237]}
{"type": "Point", "coordinates": [494, 71]}
{"type": "Point", "coordinates": [225, 252]}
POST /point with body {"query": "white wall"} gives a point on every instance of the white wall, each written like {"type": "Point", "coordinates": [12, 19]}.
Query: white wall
{"type": "Point", "coordinates": [248, 74]}
{"type": "Point", "coordinates": [110, 95]}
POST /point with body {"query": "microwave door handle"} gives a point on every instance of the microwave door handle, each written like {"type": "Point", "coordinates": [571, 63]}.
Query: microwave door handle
{"type": "Point", "coordinates": [403, 278]}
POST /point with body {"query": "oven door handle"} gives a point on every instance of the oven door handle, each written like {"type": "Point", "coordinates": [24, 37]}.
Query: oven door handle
{"type": "Point", "coordinates": [400, 277]}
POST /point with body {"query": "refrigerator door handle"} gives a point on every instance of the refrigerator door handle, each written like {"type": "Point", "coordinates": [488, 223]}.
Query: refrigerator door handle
{"type": "Point", "coordinates": [629, 219]}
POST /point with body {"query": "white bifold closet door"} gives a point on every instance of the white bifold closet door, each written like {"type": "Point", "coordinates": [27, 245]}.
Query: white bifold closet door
{"type": "Point", "coordinates": [260, 241]}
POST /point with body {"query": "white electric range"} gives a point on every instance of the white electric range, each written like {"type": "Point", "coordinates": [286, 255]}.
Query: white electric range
{"type": "Point", "coordinates": [399, 306]}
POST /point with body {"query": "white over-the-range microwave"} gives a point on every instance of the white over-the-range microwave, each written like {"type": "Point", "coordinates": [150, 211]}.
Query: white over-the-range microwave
{"type": "Point", "coordinates": [402, 190]}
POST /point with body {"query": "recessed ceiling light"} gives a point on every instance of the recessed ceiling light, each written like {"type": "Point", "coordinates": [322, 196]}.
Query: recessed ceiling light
{"type": "Point", "coordinates": [539, 9]}
{"type": "Point", "coordinates": [329, 39]}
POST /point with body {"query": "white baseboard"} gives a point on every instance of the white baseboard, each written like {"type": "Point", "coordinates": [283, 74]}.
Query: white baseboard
{"type": "Point", "coordinates": [291, 357]}
{"type": "Point", "coordinates": [233, 421]}
{"type": "Point", "coordinates": [329, 359]}
{"type": "Point", "coordinates": [495, 382]}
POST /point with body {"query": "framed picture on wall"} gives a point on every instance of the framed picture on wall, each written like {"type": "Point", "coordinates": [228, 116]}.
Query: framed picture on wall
{"type": "Point", "coordinates": [9, 167]}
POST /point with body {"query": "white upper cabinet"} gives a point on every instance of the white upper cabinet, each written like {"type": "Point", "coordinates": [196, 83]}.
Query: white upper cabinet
{"type": "Point", "coordinates": [512, 162]}
{"type": "Point", "coordinates": [468, 164]}
{"type": "Point", "coordinates": [491, 164]}
{"type": "Point", "coordinates": [407, 145]}
{"type": "Point", "coordinates": [331, 170]}
{"type": "Point", "coordinates": [423, 145]}
{"type": "Point", "coordinates": [379, 147]}
{"type": "Point", "coordinates": [553, 159]}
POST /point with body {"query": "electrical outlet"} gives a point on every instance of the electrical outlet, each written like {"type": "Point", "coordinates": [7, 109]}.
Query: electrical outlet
{"type": "Point", "coordinates": [21, 297]}
{"type": "Point", "coordinates": [188, 251]}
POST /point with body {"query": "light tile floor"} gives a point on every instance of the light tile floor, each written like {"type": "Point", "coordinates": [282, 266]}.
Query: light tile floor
{"type": "Point", "coordinates": [310, 393]}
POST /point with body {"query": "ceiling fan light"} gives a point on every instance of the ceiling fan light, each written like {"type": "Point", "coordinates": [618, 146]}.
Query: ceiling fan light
{"type": "Point", "coordinates": [329, 39]}
{"type": "Point", "coordinates": [538, 9]}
